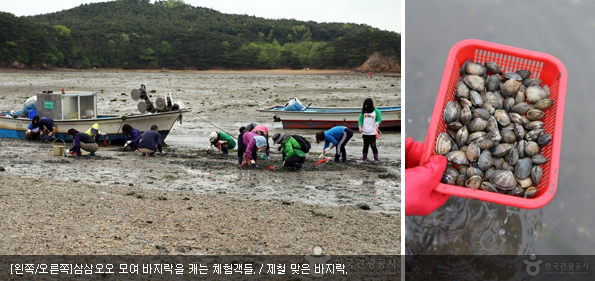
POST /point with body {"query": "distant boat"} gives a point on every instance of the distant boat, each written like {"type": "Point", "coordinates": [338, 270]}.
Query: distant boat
{"type": "Point", "coordinates": [294, 116]}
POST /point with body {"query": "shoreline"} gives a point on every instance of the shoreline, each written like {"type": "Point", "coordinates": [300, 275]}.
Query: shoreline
{"type": "Point", "coordinates": [212, 71]}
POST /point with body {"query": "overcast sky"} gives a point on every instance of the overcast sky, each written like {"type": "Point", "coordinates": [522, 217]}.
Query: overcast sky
{"type": "Point", "coordinates": [382, 14]}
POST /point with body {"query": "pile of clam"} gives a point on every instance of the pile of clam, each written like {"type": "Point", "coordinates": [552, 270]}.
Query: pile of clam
{"type": "Point", "coordinates": [494, 131]}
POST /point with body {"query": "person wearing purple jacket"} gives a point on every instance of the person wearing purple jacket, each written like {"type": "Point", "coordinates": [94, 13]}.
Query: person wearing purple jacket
{"type": "Point", "coordinates": [252, 142]}
{"type": "Point", "coordinates": [335, 137]}
{"type": "Point", "coordinates": [131, 136]}
{"type": "Point", "coordinates": [150, 141]}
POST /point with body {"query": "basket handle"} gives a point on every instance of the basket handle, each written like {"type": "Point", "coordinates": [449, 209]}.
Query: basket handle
{"type": "Point", "coordinates": [61, 140]}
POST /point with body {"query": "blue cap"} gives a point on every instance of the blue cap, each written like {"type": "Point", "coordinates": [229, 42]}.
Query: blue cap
{"type": "Point", "coordinates": [260, 141]}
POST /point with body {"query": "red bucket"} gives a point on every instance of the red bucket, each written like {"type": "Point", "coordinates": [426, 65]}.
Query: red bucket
{"type": "Point", "coordinates": [543, 66]}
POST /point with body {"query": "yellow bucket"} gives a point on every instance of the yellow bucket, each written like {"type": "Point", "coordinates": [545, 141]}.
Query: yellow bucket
{"type": "Point", "coordinates": [59, 150]}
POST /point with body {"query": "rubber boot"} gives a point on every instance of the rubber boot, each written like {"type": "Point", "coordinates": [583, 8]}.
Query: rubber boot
{"type": "Point", "coordinates": [376, 158]}
{"type": "Point", "coordinates": [365, 158]}
{"type": "Point", "coordinates": [298, 166]}
{"type": "Point", "coordinates": [225, 150]}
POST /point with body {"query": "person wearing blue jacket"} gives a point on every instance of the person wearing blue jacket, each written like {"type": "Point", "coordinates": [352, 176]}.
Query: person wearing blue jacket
{"type": "Point", "coordinates": [150, 141]}
{"type": "Point", "coordinates": [131, 136]}
{"type": "Point", "coordinates": [335, 137]}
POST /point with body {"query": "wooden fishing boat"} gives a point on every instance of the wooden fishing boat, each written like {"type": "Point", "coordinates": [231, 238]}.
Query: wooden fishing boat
{"type": "Point", "coordinates": [328, 117]}
{"type": "Point", "coordinates": [65, 110]}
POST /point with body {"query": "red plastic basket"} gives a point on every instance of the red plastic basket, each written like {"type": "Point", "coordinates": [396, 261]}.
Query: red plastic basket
{"type": "Point", "coordinates": [543, 66]}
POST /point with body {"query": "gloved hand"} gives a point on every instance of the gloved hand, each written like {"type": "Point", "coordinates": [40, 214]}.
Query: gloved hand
{"type": "Point", "coordinates": [162, 153]}
{"type": "Point", "coordinates": [321, 156]}
{"type": "Point", "coordinates": [252, 162]}
{"type": "Point", "coordinates": [126, 144]}
{"type": "Point", "coordinates": [327, 149]}
{"type": "Point", "coordinates": [264, 157]}
{"type": "Point", "coordinates": [420, 181]}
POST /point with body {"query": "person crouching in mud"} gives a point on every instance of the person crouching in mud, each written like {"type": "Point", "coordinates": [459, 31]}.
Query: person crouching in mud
{"type": "Point", "coordinates": [33, 132]}
{"type": "Point", "coordinates": [131, 136]}
{"type": "Point", "coordinates": [150, 142]}
{"type": "Point", "coordinates": [293, 156]}
{"type": "Point", "coordinates": [252, 142]}
{"type": "Point", "coordinates": [82, 141]}
{"type": "Point", "coordinates": [221, 141]}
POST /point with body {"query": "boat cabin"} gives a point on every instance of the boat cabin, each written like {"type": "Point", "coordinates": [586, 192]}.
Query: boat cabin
{"type": "Point", "coordinates": [69, 105]}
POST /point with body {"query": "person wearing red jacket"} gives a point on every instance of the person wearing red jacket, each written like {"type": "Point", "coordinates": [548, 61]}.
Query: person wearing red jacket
{"type": "Point", "coordinates": [420, 180]}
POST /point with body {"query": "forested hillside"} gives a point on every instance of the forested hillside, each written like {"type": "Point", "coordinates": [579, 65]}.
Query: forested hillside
{"type": "Point", "coordinates": [172, 34]}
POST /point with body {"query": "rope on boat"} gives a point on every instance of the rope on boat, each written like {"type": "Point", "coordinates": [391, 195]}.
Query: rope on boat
{"type": "Point", "coordinates": [217, 127]}
{"type": "Point", "coordinates": [121, 124]}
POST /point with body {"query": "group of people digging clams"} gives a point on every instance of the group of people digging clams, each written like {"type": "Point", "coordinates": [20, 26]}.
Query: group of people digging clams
{"type": "Point", "coordinates": [252, 138]}
{"type": "Point", "coordinates": [255, 137]}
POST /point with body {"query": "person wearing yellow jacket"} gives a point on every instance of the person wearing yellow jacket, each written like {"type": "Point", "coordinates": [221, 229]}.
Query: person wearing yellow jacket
{"type": "Point", "coordinates": [94, 132]}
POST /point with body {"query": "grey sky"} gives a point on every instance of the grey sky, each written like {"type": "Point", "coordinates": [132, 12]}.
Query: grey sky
{"type": "Point", "coordinates": [382, 14]}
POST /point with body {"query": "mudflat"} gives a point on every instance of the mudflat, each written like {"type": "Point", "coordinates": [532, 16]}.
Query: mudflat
{"type": "Point", "coordinates": [190, 201]}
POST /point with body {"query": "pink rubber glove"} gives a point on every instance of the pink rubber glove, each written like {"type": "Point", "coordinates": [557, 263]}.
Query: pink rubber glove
{"type": "Point", "coordinates": [420, 181]}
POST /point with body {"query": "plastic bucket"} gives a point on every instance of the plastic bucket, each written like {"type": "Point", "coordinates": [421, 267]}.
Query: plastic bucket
{"type": "Point", "coordinates": [293, 105]}
{"type": "Point", "coordinates": [32, 113]}
{"type": "Point", "coordinates": [543, 66]}
{"type": "Point", "coordinates": [59, 150]}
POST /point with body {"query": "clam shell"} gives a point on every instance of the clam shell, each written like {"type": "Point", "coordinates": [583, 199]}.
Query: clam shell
{"type": "Point", "coordinates": [485, 160]}
{"type": "Point", "coordinates": [501, 149]}
{"type": "Point", "coordinates": [512, 76]}
{"type": "Point", "coordinates": [520, 108]}
{"type": "Point", "coordinates": [461, 179]}
{"type": "Point", "coordinates": [477, 124]}
{"type": "Point", "coordinates": [524, 73]}
{"type": "Point", "coordinates": [529, 82]}
{"type": "Point", "coordinates": [493, 67]}
{"type": "Point", "coordinates": [474, 69]}
{"type": "Point", "coordinates": [531, 149]}
{"type": "Point", "coordinates": [523, 168]}
{"type": "Point", "coordinates": [457, 157]}
{"type": "Point", "coordinates": [502, 117]}
{"type": "Point", "coordinates": [475, 98]}
{"type": "Point", "coordinates": [524, 183]}
{"type": "Point", "coordinates": [536, 175]}
{"type": "Point", "coordinates": [474, 182]}
{"type": "Point", "coordinates": [530, 192]}
{"type": "Point", "coordinates": [510, 87]}
{"type": "Point", "coordinates": [462, 136]}
{"type": "Point", "coordinates": [538, 159]}
{"type": "Point", "coordinates": [463, 70]}
{"type": "Point", "coordinates": [465, 116]}
{"type": "Point", "coordinates": [534, 94]}
{"type": "Point", "coordinates": [474, 171]}
{"type": "Point", "coordinates": [544, 104]}
{"type": "Point", "coordinates": [535, 114]}
{"type": "Point", "coordinates": [451, 112]}
{"type": "Point", "coordinates": [492, 83]}
{"type": "Point", "coordinates": [485, 144]}
{"type": "Point", "coordinates": [443, 144]}
{"type": "Point", "coordinates": [508, 136]}
{"type": "Point", "coordinates": [480, 113]}
{"type": "Point", "coordinates": [462, 90]}
{"type": "Point", "coordinates": [474, 82]}
{"type": "Point", "coordinates": [472, 152]}
{"type": "Point", "coordinates": [503, 179]}
{"type": "Point", "coordinates": [544, 140]}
